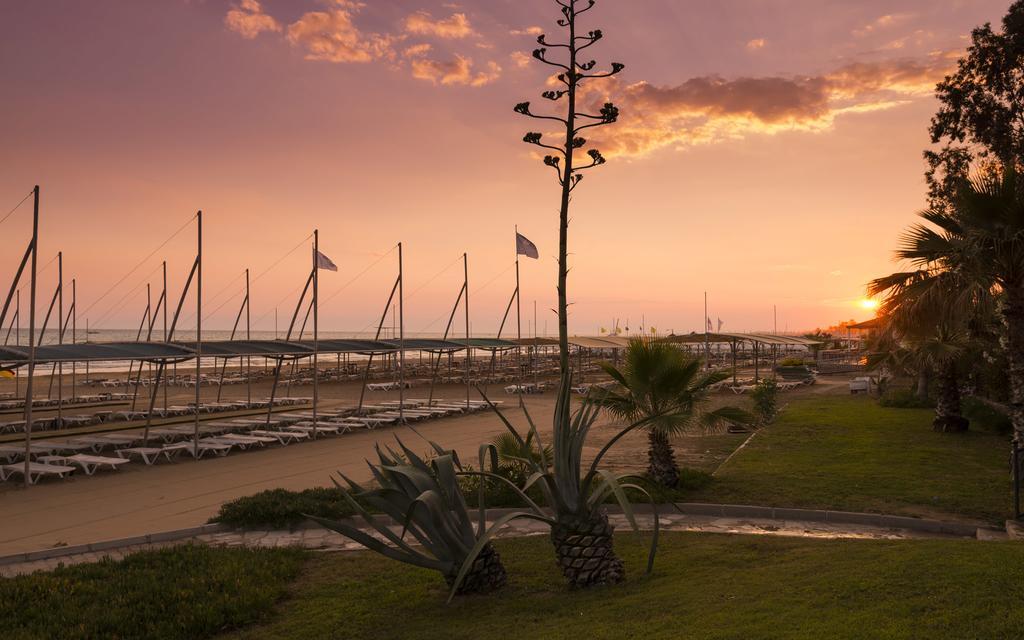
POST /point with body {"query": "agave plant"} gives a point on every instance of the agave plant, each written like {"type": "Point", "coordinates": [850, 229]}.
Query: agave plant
{"type": "Point", "coordinates": [580, 530]}
{"type": "Point", "coordinates": [425, 498]}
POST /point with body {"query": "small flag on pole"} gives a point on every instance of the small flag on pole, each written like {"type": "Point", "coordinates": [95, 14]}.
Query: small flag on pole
{"type": "Point", "coordinates": [526, 248]}
{"type": "Point", "coordinates": [720, 323]}
{"type": "Point", "coordinates": [709, 324]}
{"type": "Point", "coordinates": [325, 263]}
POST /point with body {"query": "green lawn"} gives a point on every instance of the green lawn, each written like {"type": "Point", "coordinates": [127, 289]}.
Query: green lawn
{"type": "Point", "coordinates": [704, 586]}
{"type": "Point", "coordinates": [186, 592]}
{"type": "Point", "coordinates": [847, 453]}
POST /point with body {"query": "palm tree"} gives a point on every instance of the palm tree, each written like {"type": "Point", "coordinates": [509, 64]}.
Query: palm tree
{"type": "Point", "coordinates": [661, 384]}
{"type": "Point", "coordinates": [931, 311]}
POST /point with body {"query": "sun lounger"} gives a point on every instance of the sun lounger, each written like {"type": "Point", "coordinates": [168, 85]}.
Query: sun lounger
{"type": "Point", "coordinates": [219, 449]}
{"type": "Point", "coordinates": [284, 437]}
{"type": "Point", "coordinates": [260, 441]}
{"type": "Point", "coordinates": [88, 464]}
{"type": "Point", "coordinates": [321, 427]}
{"type": "Point", "coordinates": [36, 470]}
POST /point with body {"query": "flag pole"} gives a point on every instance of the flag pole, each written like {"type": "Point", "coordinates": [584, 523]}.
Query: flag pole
{"type": "Point", "coordinates": [316, 334]}
{"type": "Point", "coordinates": [519, 328]}
{"type": "Point", "coordinates": [60, 337]}
{"type": "Point", "coordinates": [707, 345]}
{"type": "Point", "coordinates": [248, 336]}
{"type": "Point", "coordinates": [31, 339]}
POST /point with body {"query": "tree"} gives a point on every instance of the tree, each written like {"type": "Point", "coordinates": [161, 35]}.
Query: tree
{"type": "Point", "coordinates": [581, 533]}
{"type": "Point", "coordinates": [659, 382]}
{"type": "Point", "coordinates": [967, 258]}
{"type": "Point", "coordinates": [981, 116]}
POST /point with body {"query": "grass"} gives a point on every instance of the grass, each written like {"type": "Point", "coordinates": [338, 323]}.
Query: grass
{"type": "Point", "coordinates": [848, 453]}
{"type": "Point", "coordinates": [187, 592]}
{"type": "Point", "coordinates": [704, 586]}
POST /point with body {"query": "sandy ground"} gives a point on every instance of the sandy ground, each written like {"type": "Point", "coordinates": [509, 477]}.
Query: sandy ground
{"type": "Point", "coordinates": [138, 500]}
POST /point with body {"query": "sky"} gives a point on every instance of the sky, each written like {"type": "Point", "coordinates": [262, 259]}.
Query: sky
{"type": "Point", "coordinates": [768, 153]}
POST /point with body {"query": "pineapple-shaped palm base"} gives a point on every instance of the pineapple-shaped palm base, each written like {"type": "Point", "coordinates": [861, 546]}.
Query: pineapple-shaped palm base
{"type": "Point", "coordinates": [583, 546]}
{"type": "Point", "coordinates": [487, 574]}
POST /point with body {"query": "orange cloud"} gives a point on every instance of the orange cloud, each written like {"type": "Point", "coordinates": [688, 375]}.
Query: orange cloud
{"type": "Point", "coordinates": [332, 36]}
{"type": "Point", "coordinates": [711, 109]}
{"type": "Point", "coordinates": [249, 21]}
{"type": "Point", "coordinates": [528, 31]}
{"type": "Point", "coordinates": [520, 59]}
{"type": "Point", "coordinates": [453, 27]}
{"type": "Point", "coordinates": [454, 72]}
{"type": "Point", "coordinates": [756, 44]}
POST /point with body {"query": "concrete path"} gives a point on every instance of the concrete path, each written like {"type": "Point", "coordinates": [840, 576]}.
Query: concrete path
{"type": "Point", "coordinates": [325, 540]}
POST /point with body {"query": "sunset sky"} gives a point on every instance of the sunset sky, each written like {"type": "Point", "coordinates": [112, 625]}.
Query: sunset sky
{"type": "Point", "coordinates": [768, 152]}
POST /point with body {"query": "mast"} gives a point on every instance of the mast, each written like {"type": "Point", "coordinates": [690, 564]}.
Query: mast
{"type": "Point", "coordinates": [519, 328]}
{"type": "Point", "coordinates": [401, 339]}
{"type": "Point", "coordinates": [199, 324]}
{"type": "Point", "coordinates": [316, 337]}
{"type": "Point", "coordinates": [60, 336]}
{"type": "Point", "coordinates": [31, 337]}
{"type": "Point", "coordinates": [465, 271]}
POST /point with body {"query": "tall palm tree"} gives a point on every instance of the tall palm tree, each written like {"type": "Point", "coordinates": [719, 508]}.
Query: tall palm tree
{"type": "Point", "coordinates": [668, 388]}
{"type": "Point", "coordinates": [970, 255]}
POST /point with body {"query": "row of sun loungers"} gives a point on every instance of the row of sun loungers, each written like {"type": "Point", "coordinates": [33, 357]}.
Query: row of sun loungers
{"type": "Point", "coordinates": [90, 453]}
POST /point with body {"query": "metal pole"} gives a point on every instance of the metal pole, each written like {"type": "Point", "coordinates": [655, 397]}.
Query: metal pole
{"type": "Point", "coordinates": [60, 336]}
{"type": "Point", "coordinates": [316, 343]}
{"type": "Point", "coordinates": [199, 324]}
{"type": "Point", "coordinates": [166, 301]}
{"type": "Point", "coordinates": [17, 341]}
{"type": "Point", "coordinates": [74, 334]}
{"type": "Point", "coordinates": [519, 328]}
{"type": "Point", "coordinates": [31, 338]}
{"type": "Point", "coordinates": [707, 348]}
{"type": "Point", "coordinates": [401, 338]}
{"type": "Point", "coordinates": [248, 336]}
{"type": "Point", "coordinates": [465, 270]}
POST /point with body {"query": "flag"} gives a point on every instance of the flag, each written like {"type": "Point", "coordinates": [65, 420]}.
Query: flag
{"type": "Point", "coordinates": [525, 248]}
{"type": "Point", "coordinates": [603, 330]}
{"type": "Point", "coordinates": [720, 323]}
{"type": "Point", "coordinates": [6, 373]}
{"type": "Point", "coordinates": [325, 263]}
{"type": "Point", "coordinates": [709, 324]}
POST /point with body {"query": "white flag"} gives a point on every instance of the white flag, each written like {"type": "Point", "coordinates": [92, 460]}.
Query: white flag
{"type": "Point", "coordinates": [709, 324]}
{"type": "Point", "coordinates": [526, 248]}
{"type": "Point", "coordinates": [325, 263]}
{"type": "Point", "coordinates": [720, 323]}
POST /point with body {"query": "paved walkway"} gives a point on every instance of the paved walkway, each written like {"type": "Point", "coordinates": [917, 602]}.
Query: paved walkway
{"type": "Point", "coordinates": [138, 500]}
{"type": "Point", "coordinates": [325, 540]}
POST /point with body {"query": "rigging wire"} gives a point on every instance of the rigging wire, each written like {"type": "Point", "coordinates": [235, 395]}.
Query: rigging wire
{"type": "Point", "coordinates": [137, 266]}
{"type": "Point", "coordinates": [17, 206]}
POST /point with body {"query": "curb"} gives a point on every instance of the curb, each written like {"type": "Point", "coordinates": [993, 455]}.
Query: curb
{"type": "Point", "coordinates": [117, 543]}
{"type": "Point", "coordinates": [958, 529]}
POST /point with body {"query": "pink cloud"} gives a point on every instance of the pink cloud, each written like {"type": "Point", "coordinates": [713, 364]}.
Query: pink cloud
{"type": "Point", "coordinates": [249, 21]}
{"type": "Point", "coordinates": [453, 27]}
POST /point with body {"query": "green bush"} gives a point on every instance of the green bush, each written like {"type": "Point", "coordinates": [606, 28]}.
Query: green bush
{"type": "Point", "coordinates": [186, 593]}
{"type": "Point", "coordinates": [984, 416]}
{"type": "Point", "coordinates": [766, 401]}
{"type": "Point", "coordinates": [282, 509]}
{"type": "Point", "coordinates": [791, 361]}
{"type": "Point", "coordinates": [904, 399]}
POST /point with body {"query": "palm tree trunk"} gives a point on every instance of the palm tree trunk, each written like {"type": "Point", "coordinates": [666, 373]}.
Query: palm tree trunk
{"type": "Point", "coordinates": [583, 547]}
{"type": "Point", "coordinates": [1013, 316]}
{"type": "Point", "coordinates": [661, 459]}
{"type": "Point", "coordinates": [923, 379]}
{"type": "Point", "coordinates": [947, 406]}
{"type": "Point", "coordinates": [487, 574]}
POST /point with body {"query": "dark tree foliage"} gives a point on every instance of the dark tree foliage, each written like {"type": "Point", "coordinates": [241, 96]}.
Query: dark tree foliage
{"type": "Point", "coordinates": [981, 117]}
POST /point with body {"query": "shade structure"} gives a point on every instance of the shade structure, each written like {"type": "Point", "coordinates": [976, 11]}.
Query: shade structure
{"type": "Point", "coordinates": [759, 338]}
{"type": "Point", "coordinates": [157, 351]}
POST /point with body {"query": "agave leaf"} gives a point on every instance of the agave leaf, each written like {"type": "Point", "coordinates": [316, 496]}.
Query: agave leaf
{"type": "Point", "coordinates": [508, 425]}
{"type": "Point", "coordinates": [373, 544]}
{"type": "Point", "coordinates": [611, 482]}
{"type": "Point", "coordinates": [482, 541]}
{"type": "Point", "coordinates": [413, 459]}
{"type": "Point", "coordinates": [448, 481]}
{"type": "Point", "coordinates": [486, 451]}
{"type": "Point", "coordinates": [368, 518]}
{"type": "Point", "coordinates": [536, 434]}
{"type": "Point", "coordinates": [657, 523]}
{"type": "Point", "coordinates": [597, 459]}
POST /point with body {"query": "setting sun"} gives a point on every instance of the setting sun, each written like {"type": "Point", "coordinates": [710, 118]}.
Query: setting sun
{"type": "Point", "coordinates": [868, 304]}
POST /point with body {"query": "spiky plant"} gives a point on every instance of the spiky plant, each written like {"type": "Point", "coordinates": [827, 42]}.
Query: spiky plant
{"type": "Point", "coordinates": [581, 533]}
{"type": "Point", "coordinates": [580, 530]}
{"type": "Point", "coordinates": [437, 530]}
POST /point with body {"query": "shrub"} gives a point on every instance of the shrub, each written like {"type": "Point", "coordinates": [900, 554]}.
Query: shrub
{"type": "Point", "coordinates": [791, 361]}
{"type": "Point", "coordinates": [185, 592]}
{"type": "Point", "coordinates": [283, 509]}
{"type": "Point", "coordinates": [985, 416]}
{"type": "Point", "coordinates": [766, 400]}
{"type": "Point", "coordinates": [904, 399]}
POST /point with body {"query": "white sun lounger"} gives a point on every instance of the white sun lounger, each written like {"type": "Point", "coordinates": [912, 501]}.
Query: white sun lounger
{"type": "Point", "coordinates": [149, 455]}
{"type": "Point", "coordinates": [89, 464]}
{"type": "Point", "coordinates": [321, 427]}
{"type": "Point", "coordinates": [284, 437]}
{"type": "Point", "coordinates": [36, 470]}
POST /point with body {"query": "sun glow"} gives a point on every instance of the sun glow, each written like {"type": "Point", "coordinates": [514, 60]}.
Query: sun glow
{"type": "Point", "coordinates": [868, 304]}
